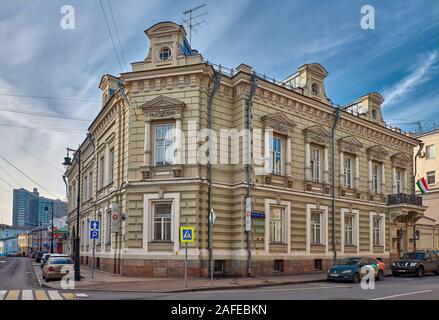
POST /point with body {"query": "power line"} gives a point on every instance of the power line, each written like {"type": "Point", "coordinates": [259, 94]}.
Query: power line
{"type": "Point", "coordinates": [7, 182]}
{"type": "Point", "coordinates": [11, 177]}
{"type": "Point", "coordinates": [111, 36]}
{"type": "Point", "coordinates": [71, 130]}
{"type": "Point", "coordinates": [24, 174]}
{"type": "Point", "coordinates": [40, 114]}
{"type": "Point", "coordinates": [31, 154]}
{"type": "Point", "coordinates": [47, 98]}
{"type": "Point", "coordinates": [117, 35]}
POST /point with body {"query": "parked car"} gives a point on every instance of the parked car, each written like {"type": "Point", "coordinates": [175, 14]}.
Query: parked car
{"type": "Point", "coordinates": [416, 263]}
{"type": "Point", "coordinates": [57, 267]}
{"type": "Point", "coordinates": [46, 257]}
{"type": "Point", "coordinates": [350, 269]}
{"type": "Point", "coordinates": [39, 255]}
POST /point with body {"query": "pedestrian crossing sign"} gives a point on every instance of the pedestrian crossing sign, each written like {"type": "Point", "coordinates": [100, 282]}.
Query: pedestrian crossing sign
{"type": "Point", "coordinates": [187, 234]}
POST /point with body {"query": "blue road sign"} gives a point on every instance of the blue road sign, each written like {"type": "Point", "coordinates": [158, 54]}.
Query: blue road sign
{"type": "Point", "coordinates": [94, 234]}
{"type": "Point", "coordinates": [94, 225]}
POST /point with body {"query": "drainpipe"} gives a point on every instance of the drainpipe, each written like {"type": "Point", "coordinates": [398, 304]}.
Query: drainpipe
{"type": "Point", "coordinates": [248, 166]}
{"type": "Point", "coordinates": [215, 87]}
{"type": "Point", "coordinates": [334, 246]}
{"type": "Point", "coordinates": [421, 146]}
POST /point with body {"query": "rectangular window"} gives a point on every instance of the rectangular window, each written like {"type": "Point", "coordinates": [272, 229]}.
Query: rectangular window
{"type": "Point", "coordinates": [85, 189]}
{"type": "Point", "coordinates": [277, 225]}
{"type": "Point", "coordinates": [349, 229]}
{"type": "Point", "coordinates": [315, 164]}
{"type": "Point", "coordinates": [376, 231]}
{"type": "Point", "coordinates": [278, 266]}
{"type": "Point", "coordinates": [108, 228]}
{"type": "Point", "coordinates": [430, 152]}
{"type": "Point", "coordinates": [431, 177]}
{"type": "Point", "coordinates": [164, 144]}
{"type": "Point", "coordinates": [348, 171]}
{"type": "Point", "coordinates": [276, 156]}
{"type": "Point", "coordinates": [376, 178]}
{"type": "Point", "coordinates": [111, 166]}
{"type": "Point", "coordinates": [90, 185]}
{"type": "Point", "coordinates": [399, 176]}
{"type": "Point", "coordinates": [316, 227]}
{"type": "Point", "coordinates": [219, 266]}
{"type": "Point", "coordinates": [162, 221]}
{"type": "Point", "coordinates": [101, 172]}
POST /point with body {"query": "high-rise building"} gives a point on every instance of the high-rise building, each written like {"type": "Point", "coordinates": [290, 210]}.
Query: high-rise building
{"type": "Point", "coordinates": [31, 210]}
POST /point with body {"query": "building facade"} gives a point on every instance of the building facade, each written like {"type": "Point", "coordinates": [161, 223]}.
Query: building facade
{"type": "Point", "coordinates": [31, 210]}
{"type": "Point", "coordinates": [148, 162]}
{"type": "Point", "coordinates": [428, 167]}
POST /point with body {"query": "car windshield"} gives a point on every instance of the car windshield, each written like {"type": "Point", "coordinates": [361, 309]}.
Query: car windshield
{"type": "Point", "coordinates": [414, 255]}
{"type": "Point", "coordinates": [60, 261]}
{"type": "Point", "coordinates": [348, 261]}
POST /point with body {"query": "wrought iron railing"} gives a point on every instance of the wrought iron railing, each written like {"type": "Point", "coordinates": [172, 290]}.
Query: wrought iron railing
{"type": "Point", "coordinates": [403, 198]}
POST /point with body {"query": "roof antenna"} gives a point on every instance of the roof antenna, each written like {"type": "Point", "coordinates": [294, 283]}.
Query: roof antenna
{"type": "Point", "coordinates": [193, 21]}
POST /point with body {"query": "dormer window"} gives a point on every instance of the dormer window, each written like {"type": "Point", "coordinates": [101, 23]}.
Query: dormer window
{"type": "Point", "coordinates": [315, 89]}
{"type": "Point", "coordinates": [165, 54]}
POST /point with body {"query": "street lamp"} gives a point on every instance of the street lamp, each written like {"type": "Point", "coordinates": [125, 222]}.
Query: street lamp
{"type": "Point", "coordinates": [68, 163]}
{"type": "Point", "coordinates": [51, 233]}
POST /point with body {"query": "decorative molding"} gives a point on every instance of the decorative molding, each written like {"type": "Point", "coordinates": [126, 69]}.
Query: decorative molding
{"type": "Point", "coordinates": [279, 122]}
{"type": "Point", "coordinates": [318, 135]}
{"type": "Point", "coordinates": [400, 159]}
{"type": "Point", "coordinates": [377, 152]}
{"type": "Point", "coordinates": [350, 144]}
{"type": "Point", "coordinates": [162, 107]}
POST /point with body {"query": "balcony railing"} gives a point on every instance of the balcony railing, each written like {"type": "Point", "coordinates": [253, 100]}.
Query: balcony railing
{"type": "Point", "coordinates": [403, 198]}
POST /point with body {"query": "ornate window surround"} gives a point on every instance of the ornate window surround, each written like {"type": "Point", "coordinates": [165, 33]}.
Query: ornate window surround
{"type": "Point", "coordinates": [320, 136]}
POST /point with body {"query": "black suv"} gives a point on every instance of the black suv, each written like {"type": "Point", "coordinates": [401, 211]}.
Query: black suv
{"type": "Point", "coordinates": [417, 263]}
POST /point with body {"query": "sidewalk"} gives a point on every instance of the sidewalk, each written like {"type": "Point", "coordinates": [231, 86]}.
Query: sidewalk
{"type": "Point", "coordinates": [112, 282]}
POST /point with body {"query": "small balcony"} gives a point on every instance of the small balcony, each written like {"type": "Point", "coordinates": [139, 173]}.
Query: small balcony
{"type": "Point", "coordinates": [403, 198]}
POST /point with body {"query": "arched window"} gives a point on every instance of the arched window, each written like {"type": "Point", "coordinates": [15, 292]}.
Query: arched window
{"type": "Point", "coordinates": [315, 89]}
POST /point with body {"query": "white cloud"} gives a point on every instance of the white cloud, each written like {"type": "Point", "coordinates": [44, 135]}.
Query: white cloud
{"type": "Point", "coordinates": [418, 76]}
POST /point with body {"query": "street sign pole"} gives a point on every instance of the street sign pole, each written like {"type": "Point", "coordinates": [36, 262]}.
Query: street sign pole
{"type": "Point", "coordinates": [185, 267]}
{"type": "Point", "coordinates": [93, 261]}
{"type": "Point", "coordinates": [212, 218]}
{"type": "Point", "coordinates": [186, 235]}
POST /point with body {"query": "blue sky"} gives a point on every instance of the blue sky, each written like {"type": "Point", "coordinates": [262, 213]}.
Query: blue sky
{"type": "Point", "coordinates": [399, 59]}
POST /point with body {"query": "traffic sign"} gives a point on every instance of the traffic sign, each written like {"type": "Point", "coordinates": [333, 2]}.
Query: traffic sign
{"type": "Point", "coordinates": [115, 218]}
{"type": "Point", "coordinates": [248, 212]}
{"type": "Point", "coordinates": [94, 234]}
{"type": "Point", "coordinates": [187, 234]}
{"type": "Point", "coordinates": [94, 225]}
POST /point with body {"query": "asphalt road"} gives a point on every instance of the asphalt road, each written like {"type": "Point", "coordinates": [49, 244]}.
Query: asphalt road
{"type": "Point", "coordinates": [402, 288]}
{"type": "Point", "coordinates": [16, 273]}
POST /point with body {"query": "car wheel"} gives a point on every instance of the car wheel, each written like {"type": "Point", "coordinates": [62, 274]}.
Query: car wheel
{"type": "Point", "coordinates": [420, 272]}
{"type": "Point", "coordinates": [380, 275]}
{"type": "Point", "coordinates": [356, 278]}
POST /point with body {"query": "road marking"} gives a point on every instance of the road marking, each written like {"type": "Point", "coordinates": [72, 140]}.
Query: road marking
{"type": "Point", "coordinates": [13, 295]}
{"type": "Point", "coordinates": [27, 295]}
{"type": "Point", "coordinates": [274, 290]}
{"type": "Point", "coordinates": [2, 294]}
{"type": "Point", "coordinates": [82, 295]}
{"type": "Point", "coordinates": [69, 295]}
{"type": "Point", "coordinates": [402, 294]}
{"type": "Point", "coordinates": [54, 295]}
{"type": "Point", "coordinates": [41, 295]}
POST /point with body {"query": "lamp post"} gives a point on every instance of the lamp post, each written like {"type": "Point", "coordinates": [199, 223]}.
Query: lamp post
{"type": "Point", "coordinates": [421, 146]}
{"type": "Point", "coordinates": [51, 233]}
{"type": "Point", "coordinates": [68, 163]}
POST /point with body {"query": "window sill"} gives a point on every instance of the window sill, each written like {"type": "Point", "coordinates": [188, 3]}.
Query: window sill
{"type": "Point", "coordinates": [161, 241]}
{"type": "Point", "coordinates": [318, 245]}
{"type": "Point", "coordinates": [277, 244]}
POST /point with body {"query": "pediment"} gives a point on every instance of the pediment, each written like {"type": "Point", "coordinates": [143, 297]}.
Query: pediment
{"type": "Point", "coordinates": [377, 152]}
{"type": "Point", "coordinates": [317, 134]}
{"type": "Point", "coordinates": [400, 159]}
{"type": "Point", "coordinates": [350, 144]}
{"type": "Point", "coordinates": [278, 118]}
{"type": "Point", "coordinates": [162, 102]}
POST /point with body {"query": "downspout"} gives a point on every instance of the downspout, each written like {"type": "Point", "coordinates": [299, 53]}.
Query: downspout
{"type": "Point", "coordinates": [248, 165]}
{"type": "Point", "coordinates": [421, 146]}
{"type": "Point", "coordinates": [334, 245]}
{"type": "Point", "coordinates": [216, 84]}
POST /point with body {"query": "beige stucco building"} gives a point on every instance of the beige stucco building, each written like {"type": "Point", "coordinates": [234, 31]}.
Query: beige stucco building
{"type": "Point", "coordinates": [142, 165]}
{"type": "Point", "coordinates": [428, 167]}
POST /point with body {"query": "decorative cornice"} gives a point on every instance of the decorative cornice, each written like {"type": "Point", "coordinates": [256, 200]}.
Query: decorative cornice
{"type": "Point", "coordinates": [377, 152]}
{"type": "Point", "coordinates": [317, 134]}
{"type": "Point", "coordinates": [350, 144]}
{"type": "Point", "coordinates": [279, 122]}
{"type": "Point", "coordinates": [400, 159]}
{"type": "Point", "coordinates": [162, 107]}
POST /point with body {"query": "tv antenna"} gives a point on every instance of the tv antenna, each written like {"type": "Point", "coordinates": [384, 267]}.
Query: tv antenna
{"type": "Point", "coordinates": [193, 22]}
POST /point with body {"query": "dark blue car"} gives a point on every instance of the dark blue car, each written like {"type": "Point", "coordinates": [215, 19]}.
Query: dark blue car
{"type": "Point", "coordinates": [349, 269]}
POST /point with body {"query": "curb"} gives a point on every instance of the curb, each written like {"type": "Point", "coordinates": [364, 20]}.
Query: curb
{"type": "Point", "coordinates": [40, 281]}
